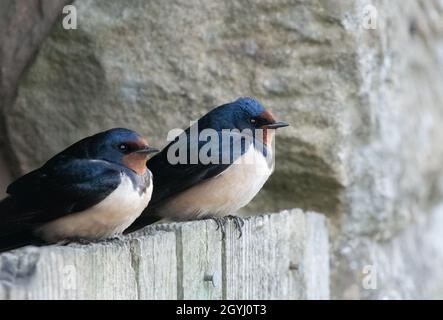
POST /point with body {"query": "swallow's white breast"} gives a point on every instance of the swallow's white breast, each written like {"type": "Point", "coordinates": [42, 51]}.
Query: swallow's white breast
{"type": "Point", "coordinates": [108, 218]}
{"type": "Point", "coordinates": [224, 194]}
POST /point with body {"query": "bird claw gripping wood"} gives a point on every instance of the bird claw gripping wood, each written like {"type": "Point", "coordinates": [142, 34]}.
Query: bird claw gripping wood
{"type": "Point", "coordinates": [221, 224]}
{"type": "Point", "coordinates": [238, 223]}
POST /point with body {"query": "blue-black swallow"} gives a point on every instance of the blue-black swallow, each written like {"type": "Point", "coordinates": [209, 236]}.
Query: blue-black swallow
{"type": "Point", "coordinates": [196, 190]}
{"type": "Point", "coordinates": [92, 190]}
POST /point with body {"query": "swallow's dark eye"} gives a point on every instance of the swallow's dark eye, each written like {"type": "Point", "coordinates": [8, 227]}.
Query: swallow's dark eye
{"type": "Point", "coordinates": [253, 121]}
{"type": "Point", "coordinates": [123, 147]}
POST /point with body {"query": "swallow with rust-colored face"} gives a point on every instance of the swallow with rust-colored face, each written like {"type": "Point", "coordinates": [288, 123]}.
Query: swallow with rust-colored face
{"type": "Point", "coordinates": [186, 191]}
{"type": "Point", "coordinates": [92, 190]}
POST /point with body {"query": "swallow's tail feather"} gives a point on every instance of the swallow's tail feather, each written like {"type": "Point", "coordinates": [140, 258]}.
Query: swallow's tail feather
{"type": "Point", "coordinates": [10, 236]}
{"type": "Point", "coordinates": [10, 213]}
{"type": "Point", "coordinates": [18, 240]}
{"type": "Point", "coordinates": [142, 221]}
{"type": "Point", "coordinates": [7, 207]}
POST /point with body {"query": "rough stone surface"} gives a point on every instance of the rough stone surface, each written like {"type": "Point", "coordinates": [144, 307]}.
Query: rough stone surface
{"type": "Point", "coordinates": [23, 26]}
{"type": "Point", "coordinates": [403, 268]}
{"type": "Point", "coordinates": [181, 261]}
{"type": "Point", "coordinates": [4, 176]}
{"type": "Point", "coordinates": [153, 66]}
{"type": "Point", "coordinates": [393, 155]}
{"type": "Point", "coordinates": [365, 107]}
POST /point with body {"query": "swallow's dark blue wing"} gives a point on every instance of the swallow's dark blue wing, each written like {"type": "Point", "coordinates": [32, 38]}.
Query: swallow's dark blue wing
{"type": "Point", "coordinates": [60, 187]}
{"type": "Point", "coordinates": [172, 179]}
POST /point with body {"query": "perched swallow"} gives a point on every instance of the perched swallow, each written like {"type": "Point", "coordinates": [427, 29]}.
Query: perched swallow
{"type": "Point", "coordinates": [187, 191]}
{"type": "Point", "coordinates": [92, 190]}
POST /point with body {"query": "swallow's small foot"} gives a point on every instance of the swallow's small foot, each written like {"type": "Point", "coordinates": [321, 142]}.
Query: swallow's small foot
{"type": "Point", "coordinates": [83, 241]}
{"type": "Point", "coordinates": [63, 242]}
{"type": "Point", "coordinates": [221, 224]}
{"type": "Point", "coordinates": [117, 237]}
{"type": "Point", "coordinates": [238, 223]}
{"type": "Point", "coordinates": [80, 241]}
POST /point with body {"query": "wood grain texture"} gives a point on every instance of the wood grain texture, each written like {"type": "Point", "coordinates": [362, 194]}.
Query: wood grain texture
{"type": "Point", "coordinates": [154, 263]}
{"type": "Point", "coordinates": [316, 265]}
{"type": "Point", "coordinates": [279, 256]}
{"type": "Point", "coordinates": [199, 259]}
{"type": "Point", "coordinates": [268, 261]}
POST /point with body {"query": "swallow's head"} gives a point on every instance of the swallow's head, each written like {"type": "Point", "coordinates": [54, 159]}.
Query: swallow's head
{"type": "Point", "coordinates": [245, 113]}
{"type": "Point", "coordinates": [124, 147]}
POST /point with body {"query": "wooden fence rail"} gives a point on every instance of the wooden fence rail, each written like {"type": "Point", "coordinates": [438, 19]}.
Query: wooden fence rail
{"type": "Point", "coordinates": [279, 256]}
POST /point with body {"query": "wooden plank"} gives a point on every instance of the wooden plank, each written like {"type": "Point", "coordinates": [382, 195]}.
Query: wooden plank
{"type": "Point", "coordinates": [296, 252]}
{"type": "Point", "coordinates": [316, 264]}
{"type": "Point", "coordinates": [199, 267]}
{"type": "Point", "coordinates": [154, 262]}
{"type": "Point", "coordinates": [99, 271]}
{"type": "Point", "coordinates": [270, 260]}
{"type": "Point", "coordinates": [280, 256]}
{"type": "Point", "coordinates": [142, 268]}
{"type": "Point", "coordinates": [256, 266]}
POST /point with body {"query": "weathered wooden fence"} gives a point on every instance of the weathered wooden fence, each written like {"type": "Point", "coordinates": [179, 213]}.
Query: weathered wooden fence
{"type": "Point", "coordinates": [279, 256]}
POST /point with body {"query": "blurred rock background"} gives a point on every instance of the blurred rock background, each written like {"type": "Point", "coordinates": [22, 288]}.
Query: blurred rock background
{"type": "Point", "coordinates": [366, 107]}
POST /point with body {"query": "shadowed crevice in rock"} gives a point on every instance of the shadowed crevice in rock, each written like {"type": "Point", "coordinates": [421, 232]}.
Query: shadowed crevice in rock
{"type": "Point", "coordinates": [312, 193]}
{"type": "Point", "coordinates": [307, 178]}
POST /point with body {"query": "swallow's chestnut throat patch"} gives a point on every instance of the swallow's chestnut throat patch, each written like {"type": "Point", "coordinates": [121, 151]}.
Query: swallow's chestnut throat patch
{"type": "Point", "coordinates": [136, 162]}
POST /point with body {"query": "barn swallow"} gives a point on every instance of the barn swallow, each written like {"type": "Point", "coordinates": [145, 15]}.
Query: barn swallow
{"type": "Point", "coordinates": [187, 191]}
{"type": "Point", "coordinates": [92, 190]}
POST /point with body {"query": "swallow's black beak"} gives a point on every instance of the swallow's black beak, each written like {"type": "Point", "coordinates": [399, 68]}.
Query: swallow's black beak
{"type": "Point", "coordinates": [147, 150]}
{"type": "Point", "coordinates": [278, 124]}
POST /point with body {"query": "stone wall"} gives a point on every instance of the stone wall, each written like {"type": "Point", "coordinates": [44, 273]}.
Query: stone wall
{"type": "Point", "coordinates": [366, 108]}
{"type": "Point", "coordinates": [23, 26]}
{"type": "Point", "coordinates": [4, 176]}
